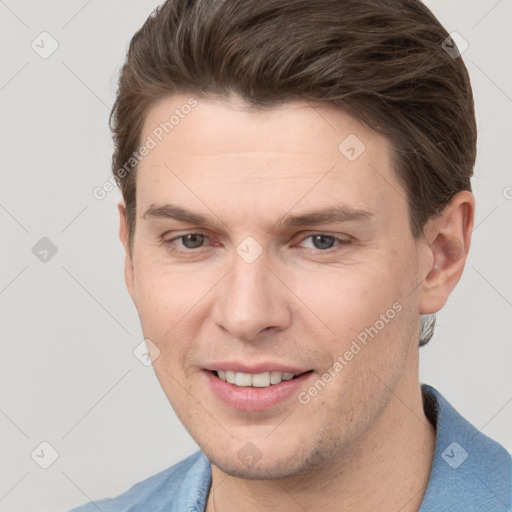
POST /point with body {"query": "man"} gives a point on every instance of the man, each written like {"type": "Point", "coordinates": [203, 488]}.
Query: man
{"type": "Point", "coordinates": [296, 205]}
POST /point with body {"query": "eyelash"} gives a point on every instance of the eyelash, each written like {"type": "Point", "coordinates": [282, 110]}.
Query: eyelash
{"type": "Point", "coordinates": [169, 244]}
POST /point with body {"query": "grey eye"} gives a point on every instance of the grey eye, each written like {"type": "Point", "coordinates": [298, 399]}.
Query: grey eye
{"type": "Point", "coordinates": [193, 240]}
{"type": "Point", "coordinates": [323, 241]}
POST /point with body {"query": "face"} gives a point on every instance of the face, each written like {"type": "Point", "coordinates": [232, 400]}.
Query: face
{"type": "Point", "coordinates": [267, 244]}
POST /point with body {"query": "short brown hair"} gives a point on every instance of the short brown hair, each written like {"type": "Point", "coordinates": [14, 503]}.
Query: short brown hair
{"type": "Point", "coordinates": [381, 61]}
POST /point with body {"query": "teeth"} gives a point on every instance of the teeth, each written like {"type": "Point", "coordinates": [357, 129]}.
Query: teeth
{"type": "Point", "coordinates": [243, 379]}
{"type": "Point", "coordinates": [261, 380]}
{"type": "Point", "coordinates": [257, 380]}
{"type": "Point", "coordinates": [275, 377]}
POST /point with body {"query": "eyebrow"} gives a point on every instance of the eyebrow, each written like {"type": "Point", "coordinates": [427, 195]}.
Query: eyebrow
{"type": "Point", "coordinates": [332, 215]}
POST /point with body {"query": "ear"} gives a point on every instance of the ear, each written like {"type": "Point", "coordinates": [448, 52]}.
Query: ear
{"type": "Point", "coordinates": [123, 236]}
{"type": "Point", "coordinates": [448, 238]}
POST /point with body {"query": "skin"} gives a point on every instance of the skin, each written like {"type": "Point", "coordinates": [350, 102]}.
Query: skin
{"type": "Point", "coordinates": [363, 442]}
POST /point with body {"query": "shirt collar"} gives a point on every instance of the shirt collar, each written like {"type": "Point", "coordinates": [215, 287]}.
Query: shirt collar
{"type": "Point", "coordinates": [469, 472]}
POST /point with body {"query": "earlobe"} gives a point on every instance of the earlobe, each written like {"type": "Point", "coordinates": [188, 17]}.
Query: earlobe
{"type": "Point", "coordinates": [123, 236]}
{"type": "Point", "coordinates": [449, 239]}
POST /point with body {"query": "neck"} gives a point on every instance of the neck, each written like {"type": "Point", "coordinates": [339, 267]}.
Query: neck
{"type": "Point", "coordinates": [386, 470]}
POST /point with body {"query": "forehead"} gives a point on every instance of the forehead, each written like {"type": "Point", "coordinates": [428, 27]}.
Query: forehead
{"type": "Point", "coordinates": [208, 150]}
{"type": "Point", "coordinates": [229, 125]}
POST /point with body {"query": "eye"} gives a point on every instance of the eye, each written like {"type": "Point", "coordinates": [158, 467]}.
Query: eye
{"type": "Point", "coordinates": [189, 241]}
{"type": "Point", "coordinates": [323, 242]}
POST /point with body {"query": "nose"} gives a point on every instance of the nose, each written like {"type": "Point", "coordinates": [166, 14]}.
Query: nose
{"type": "Point", "coordinates": [251, 299]}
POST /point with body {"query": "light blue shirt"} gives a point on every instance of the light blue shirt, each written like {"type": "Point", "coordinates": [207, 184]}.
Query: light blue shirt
{"type": "Point", "coordinates": [470, 473]}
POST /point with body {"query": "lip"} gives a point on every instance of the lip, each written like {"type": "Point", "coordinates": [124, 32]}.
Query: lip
{"type": "Point", "coordinates": [253, 398]}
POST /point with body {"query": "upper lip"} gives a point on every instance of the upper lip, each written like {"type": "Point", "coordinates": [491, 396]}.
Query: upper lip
{"type": "Point", "coordinates": [244, 367]}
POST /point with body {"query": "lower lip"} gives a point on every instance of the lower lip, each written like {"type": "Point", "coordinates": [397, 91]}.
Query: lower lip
{"type": "Point", "coordinates": [252, 398]}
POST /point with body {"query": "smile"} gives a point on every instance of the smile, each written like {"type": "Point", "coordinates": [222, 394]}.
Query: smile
{"type": "Point", "coordinates": [255, 391]}
{"type": "Point", "coordinates": [257, 380]}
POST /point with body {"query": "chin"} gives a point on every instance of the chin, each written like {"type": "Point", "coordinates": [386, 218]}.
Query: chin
{"type": "Point", "coordinates": [250, 464]}
{"type": "Point", "coordinates": [259, 471]}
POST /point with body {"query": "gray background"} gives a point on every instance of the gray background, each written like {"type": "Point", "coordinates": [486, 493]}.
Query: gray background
{"type": "Point", "coordinates": [68, 374]}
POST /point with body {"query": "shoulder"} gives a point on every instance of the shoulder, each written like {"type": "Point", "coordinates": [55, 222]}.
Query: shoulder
{"type": "Point", "coordinates": [470, 471]}
{"type": "Point", "coordinates": [180, 487]}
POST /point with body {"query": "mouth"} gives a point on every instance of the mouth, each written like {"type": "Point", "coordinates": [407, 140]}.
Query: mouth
{"type": "Point", "coordinates": [256, 391]}
{"type": "Point", "coordinates": [256, 380]}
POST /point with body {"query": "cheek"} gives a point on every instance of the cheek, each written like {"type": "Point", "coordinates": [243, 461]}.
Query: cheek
{"type": "Point", "coordinates": [363, 323]}
{"type": "Point", "coordinates": [163, 296]}
{"type": "Point", "coordinates": [348, 298]}
{"type": "Point", "coordinates": [170, 307]}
